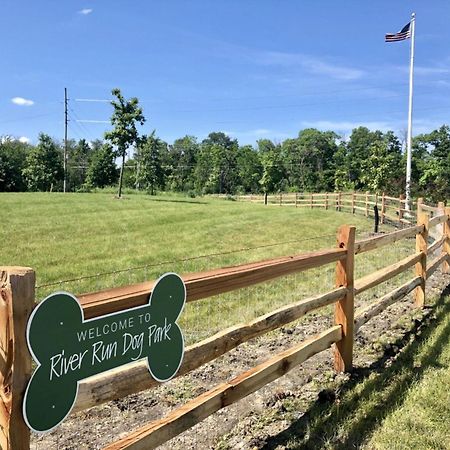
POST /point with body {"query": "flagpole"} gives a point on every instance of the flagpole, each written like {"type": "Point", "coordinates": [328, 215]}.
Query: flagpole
{"type": "Point", "coordinates": [410, 106]}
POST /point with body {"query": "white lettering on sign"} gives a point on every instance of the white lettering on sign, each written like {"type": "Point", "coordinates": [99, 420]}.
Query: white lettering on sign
{"type": "Point", "coordinates": [102, 352]}
{"type": "Point", "coordinates": [96, 332]}
{"type": "Point", "coordinates": [133, 342]}
{"type": "Point", "coordinates": [157, 334]}
{"type": "Point", "coordinates": [61, 365]}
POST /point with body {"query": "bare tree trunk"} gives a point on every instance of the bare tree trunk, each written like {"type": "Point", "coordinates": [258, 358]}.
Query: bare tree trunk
{"type": "Point", "coordinates": [121, 176]}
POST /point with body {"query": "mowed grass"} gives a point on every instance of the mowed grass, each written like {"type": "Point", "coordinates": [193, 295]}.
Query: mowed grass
{"type": "Point", "coordinates": [402, 403]}
{"type": "Point", "coordinates": [66, 236]}
{"type": "Point", "coordinates": [420, 419]}
{"type": "Point", "coordinates": [86, 242]}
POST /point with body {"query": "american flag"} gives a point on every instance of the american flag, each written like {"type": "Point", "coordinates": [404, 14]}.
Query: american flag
{"type": "Point", "coordinates": [404, 33]}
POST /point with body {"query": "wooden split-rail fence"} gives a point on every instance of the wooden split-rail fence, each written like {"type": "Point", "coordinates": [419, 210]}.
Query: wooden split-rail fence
{"type": "Point", "coordinates": [390, 209]}
{"type": "Point", "coordinates": [18, 300]}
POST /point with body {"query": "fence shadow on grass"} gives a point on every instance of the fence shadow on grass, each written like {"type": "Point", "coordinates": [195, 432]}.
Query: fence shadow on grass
{"type": "Point", "coordinates": [347, 422]}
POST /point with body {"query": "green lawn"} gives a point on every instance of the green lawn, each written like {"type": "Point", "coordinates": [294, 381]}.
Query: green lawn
{"type": "Point", "coordinates": [65, 236]}
{"type": "Point", "coordinates": [417, 416]}
{"type": "Point", "coordinates": [71, 236]}
{"type": "Point", "coordinates": [400, 403]}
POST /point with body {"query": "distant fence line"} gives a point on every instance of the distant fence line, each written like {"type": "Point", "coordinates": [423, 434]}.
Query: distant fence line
{"type": "Point", "coordinates": [392, 209]}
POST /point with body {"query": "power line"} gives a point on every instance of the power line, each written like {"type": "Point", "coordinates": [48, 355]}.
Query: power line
{"type": "Point", "coordinates": [93, 100]}
{"type": "Point", "coordinates": [80, 125]}
{"type": "Point", "coordinates": [93, 121]}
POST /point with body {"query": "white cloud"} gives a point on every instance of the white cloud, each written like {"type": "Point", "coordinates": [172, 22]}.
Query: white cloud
{"type": "Point", "coordinates": [312, 64]}
{"type": "Point", "coordinates": [248, 136]}
{"type": "Point", "coordinates": [22, 101]}
{"type": "Point", "coordinates": [85, 11]}
{"type": "Point", "coordinates": [24, 140]}
{"type": "Point", "coordinates": [344, 126]}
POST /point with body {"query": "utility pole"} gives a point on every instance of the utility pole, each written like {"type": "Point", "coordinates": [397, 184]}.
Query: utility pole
{"type": "Point", "coordinates": [65, 138]}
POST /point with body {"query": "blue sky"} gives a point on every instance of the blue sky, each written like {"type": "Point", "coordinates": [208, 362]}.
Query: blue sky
{"type": "Point", "coordinates": [252, 68]}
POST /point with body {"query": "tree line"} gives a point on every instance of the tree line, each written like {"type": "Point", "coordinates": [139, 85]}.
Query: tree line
{"type": "Point", "coordinates": [313, 161]}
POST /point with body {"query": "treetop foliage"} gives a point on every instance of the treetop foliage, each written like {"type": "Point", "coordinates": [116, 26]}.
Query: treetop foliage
{"type": "Point", "coordinates": [313, 161]}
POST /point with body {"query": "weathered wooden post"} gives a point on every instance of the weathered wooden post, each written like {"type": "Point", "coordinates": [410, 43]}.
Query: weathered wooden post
{"type": "Point", "coordinates": [339, 200]}
{"type": "Point", "coordinates": [344, 309]}
{"type": "Point", "coordinates": [326, 200]}
{"type": "Point", "coordinates": [353, 202]}
{"type": "Point", "coordinates": [446, 247]}
{"type": "Point", "coordinates": [421, 266]}
{"type": "Point", "coordinates": [311, 198]}
{"type": "Point", "coordinates": [419, 207]}
{"type": "Point", "coordinates": [17, 286]}
{"type": "Point", "coordinates": [296, 199]}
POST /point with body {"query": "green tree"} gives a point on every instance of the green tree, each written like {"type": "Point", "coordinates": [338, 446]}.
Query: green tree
{"type": "Point", "coordinates": [216, 170]}
{"type": "Point", "coordinates": [358, 150]}
{"type": "Point", "coordinates": [249, 168]}
{"type": "Point", "coordinates": [380, 169]}
{"type": "Point", "coordinates": [127, 114]}
{"type": "Point", "coordinates": [78, 159]}
{"type": "Point", "coordinates": [182, 159]}
{"type": "Point", "coordinates": [102, 169]}
{"type": "Point", "coordinates": [273, 174]}
{"type": "Point", "coordinates": [43, 169]}
{"type": "Point", "coordinates": [13, 155]}
{"type": "Point", "coordinates": [265, 145]}
{"type": "Point", "coordinates": [309, 160]}
{"type": "Point", "coordinates": [434, 165]}
{"type": "Point", "coordinates": [149, 156]}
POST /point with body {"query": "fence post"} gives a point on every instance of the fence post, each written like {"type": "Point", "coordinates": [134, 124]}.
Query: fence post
{"type": "Point", "coordinates": [296, 199]}
{"type": "Point", "coordinates": [353, 202]}
{"type": "Point", "coordinates": [383, 207]}
{"type": "Point", "coordinates": [339, 200]}
{"type": "Point", "coordinates": [326, 200]}
{"type": "Point", "coordinates": [446, 248]}
{"type": "Point", "coordinates": [419, 207]}
{"type": "Point", "coordinates": [311, 198]}
{"type": "Point", "coordinates": [17, 286]}
{"type": "Point", "coordinates": [344, 309]}
{"type": "Point", "coordinates": [421, 266]}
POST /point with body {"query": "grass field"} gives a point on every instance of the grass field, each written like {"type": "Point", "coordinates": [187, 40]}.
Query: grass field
{"type": "Point", "coordinates": [403, 402]}
{"type": "Point", "coordinates": [92, 239]}
{"type": "Point", "coordinates": [95, 236]}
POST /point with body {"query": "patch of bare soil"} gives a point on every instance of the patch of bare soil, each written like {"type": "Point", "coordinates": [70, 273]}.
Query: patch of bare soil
{"type": "Point", "coordinates": [250, 422]}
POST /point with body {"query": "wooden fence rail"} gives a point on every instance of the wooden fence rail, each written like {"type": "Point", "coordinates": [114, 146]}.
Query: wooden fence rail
{"type": "Point", "coordinates": [392, 209]}
{"type": "Point", "coordinates": [17, 301]}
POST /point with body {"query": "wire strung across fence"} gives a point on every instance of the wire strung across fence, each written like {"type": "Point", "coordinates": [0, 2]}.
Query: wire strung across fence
{"type": "Point", "coordinates": [136, 274]}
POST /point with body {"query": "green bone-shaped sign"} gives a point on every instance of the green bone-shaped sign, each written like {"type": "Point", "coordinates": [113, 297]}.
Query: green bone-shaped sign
{"type": "Point", "coordinates": [68, 349]}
